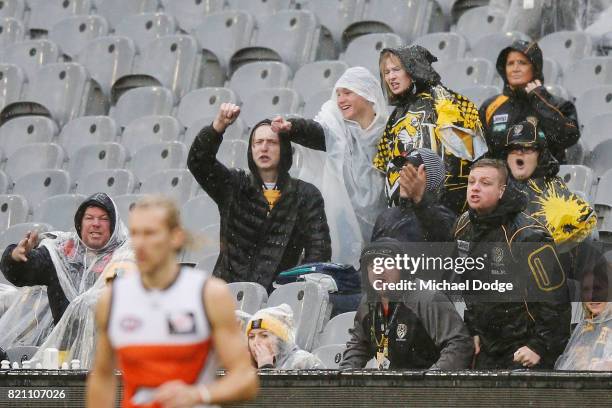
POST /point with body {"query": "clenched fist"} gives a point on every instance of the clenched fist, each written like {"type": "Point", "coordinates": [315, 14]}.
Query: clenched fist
{"type": "Point", "coordinates": [228, 112]}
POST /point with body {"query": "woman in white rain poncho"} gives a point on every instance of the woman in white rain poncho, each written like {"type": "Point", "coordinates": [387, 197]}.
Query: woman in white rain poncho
{"type": "Point", "coordinates": [347, 128]}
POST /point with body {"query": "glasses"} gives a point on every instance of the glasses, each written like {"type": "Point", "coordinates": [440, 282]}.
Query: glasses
{"type": "Point", "coordinates": [523, 149]}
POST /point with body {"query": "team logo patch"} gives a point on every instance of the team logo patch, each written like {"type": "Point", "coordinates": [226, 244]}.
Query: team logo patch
{"type": "Point", "coordinates": [401, 331]}
{"type": "Point", "coordinates": [500, 118]}
{"type": "Point", "coordinates": [130, 323]}
{"type": "Point", "coordinates": [518, 129]}
{"type": "Point", "coordinates": [181, 323]}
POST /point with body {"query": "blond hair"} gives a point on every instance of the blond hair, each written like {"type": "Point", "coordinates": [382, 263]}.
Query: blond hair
{"type": "Point", "coordinates": [386, 55]}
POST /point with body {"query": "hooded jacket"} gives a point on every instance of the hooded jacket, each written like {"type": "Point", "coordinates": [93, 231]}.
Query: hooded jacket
{"type": "Point", "coordinates": [258, 243]}
{"type": "Point", "coordinates": [431, 116]}
{"type": "Point", "coordinates": [557, 117]}
{"type": "Point", "coordinates": [40, 268]}
{"type": "Point", "coordinates": [511, 242]}
{"type": "Point", "coordinates": [426, 333]}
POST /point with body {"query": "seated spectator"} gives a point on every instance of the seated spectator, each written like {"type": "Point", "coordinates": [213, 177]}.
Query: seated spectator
{"type": "Point", "coordinates": [267, 218]}
{"type": "Point", "coordinates": [429, 115]}
{"type": "Point", "coordinates": [520, 66]}
{"type": "Point", "coordinates": [416, 329]}
{"type": "Point", "coordinates": [347, 128]}
{"type": "Point", "coordinates": [511, 333]}
{"type": "Point", "coordinates": [420, 216]}
{"type": "Point", "coordinates": [271, 340]}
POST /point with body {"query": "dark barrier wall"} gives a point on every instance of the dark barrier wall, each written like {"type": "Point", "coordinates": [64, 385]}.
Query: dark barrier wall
{"type": "Point", "coordinates": [357, 389]}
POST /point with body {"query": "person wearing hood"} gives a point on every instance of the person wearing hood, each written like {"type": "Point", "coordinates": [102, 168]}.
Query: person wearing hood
{"type": "Point", "coordinates": [520, 66]}
{"type": "Point", "coordinates": [271, 340]}
{"type": "Point", "coordinates": [268, 218]}
{"type": "Point", "coordinates": [347, 129]}
{"type": "Point", "coordinates": [529, 325]}
{"type": "Point", "coordinates": [408, 329]}
{"type": "Point", "coordinates": [68, 263]}
{"type": "Point", "coordinates": [428, 115]}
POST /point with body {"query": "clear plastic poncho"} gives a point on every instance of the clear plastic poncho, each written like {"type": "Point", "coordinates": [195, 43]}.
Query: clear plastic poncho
{"type": "Point", "coordinates": [27, 319]}
{"type": "Point", "coordinates": [7, 295]}
{"type": "Point", "coordinates": [351, 186]}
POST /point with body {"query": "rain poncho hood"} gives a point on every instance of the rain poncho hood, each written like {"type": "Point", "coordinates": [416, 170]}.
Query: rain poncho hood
{"type": "Point", "coordinates": [286, 156]}
{"type": "Point", "coordinates": [533, 53]}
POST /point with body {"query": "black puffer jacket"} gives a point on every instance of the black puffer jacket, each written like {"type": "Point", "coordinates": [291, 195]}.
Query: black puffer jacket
{"type": "Point", "coordinates": [557, 117]}
{"type": "Point", "coordinates": [257, 245]}
{"type": "Point", "coordinates": [509, 240]}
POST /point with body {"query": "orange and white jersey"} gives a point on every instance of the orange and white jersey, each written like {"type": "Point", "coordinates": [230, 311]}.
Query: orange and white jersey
{"type": "Point", "coordinates": [161, 335]}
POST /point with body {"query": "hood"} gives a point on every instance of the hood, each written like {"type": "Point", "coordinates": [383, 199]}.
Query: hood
{"type": "Point", "coordinates": [434, 168]}
{"type": "Point", "coordinates": [529, 133]}
{"type": "Point", "coordinates": [384, 248]}
{"type": "Point", "coordinates": [531, 50]}
{"type": "Point", "coordinates": [416, 60]}
{"type": "Point", "coordinates": [513, 201]}
{"type": "Point", "coordinates": [100, 200]}
{"type": "Point", "coordinates": [286, 155]}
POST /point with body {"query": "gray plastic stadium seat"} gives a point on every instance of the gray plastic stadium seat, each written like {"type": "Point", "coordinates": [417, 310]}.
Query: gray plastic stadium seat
{"type": "Point", "coordinates": [200, 211]}
{"type": "Point", "coordinates": [600, 159]}
{"type": "Point", "coordinates": [176, 184]}
{"type": "Point", "coordinates": [336, 331]}
{"type": "Point", "coordinates": [190, 13]}
{"type": "Point", "coordinates": [58, 210]}
{"type": "Point", "coordinates": [31, 54]}
{"type": "Point", "coordinates": [11, 31]}
{"type": "Point", "coordinates": [13, 8]}
{"type": "Point", "coordinates": [593, 102]}
{"type": "Point", "coordinates": [206, 243]}
{"type": "Point", "coordinates": [125, 202]}
{"type": "Point", "coordinates": [99, 156]}
{"type": "Point", "coordinates": [330, 355]}
{"type": "Point", "coordinates": [255, 76]}
{"type": "Point", "coordinates": [39, 185]}
{"type": "Point", "coordinates": [558, 91]}
{"type": "Point", "coordinates": [259, 8]}
{"type": "Point", "coordinates": [467, 73]}
{"type": "Point", "coordinates": [478, 22]}
{"type": "Point", "coordinates": [603, 198]}
{"type": "Point", "coordinates": [309, 303]}
{"type": "Point", "coordinates": [158, 156]}
{"type": "Point", "coordinates": [233, 154]}
{"type": "Point", "coordinates": [116, 10]}
{"type": "Point", "coordinates": [479, 93]}
{"type": "Point", "coordinates": [489, 46]}
{"type": "Point", "coordinates": [34, 157]}
{"type": "Point", "coordinates": [365, 50]}
{"type": "Point", "coordinates": [577, 178]}
{"type": "Point", "coordinates": [237, 131]}
{"type": "Point", "coordinates": [203, 102]}
{"type": "Point", "coordinates": [586, 74]}
{"type": "Point", "coordinates": [17, 232]}
{"type": "Point", "coordinates": [146, 27]}
{"type": "Point", "coordinates": [87, 130]}
{"type": "Point", "coordinates": [108, 59]}
{"type": "Point", "coordinates": [44, 14]}
{"type": "Point", "coordinates": [596, 130]}
{"type": "Point", "coordinates": [5, 182]}
{"type": "Point", "coordinates": [207, 263]}
{"type": "Point", "coordinates": [313, 104]}
{"type": "Point", "coordinates": [20, 354]}
{"type": "Point", "coordinates": [445, 46]}
{"type": "Point", "coordinates": [249, 296]}
{"type": "Point", "coordinates": [139, 102]}
{"type": "Point", "coordinates": [13, 210]}
{"type": "Point", "coordinates": [11, 84]}
{"type": "Point", "coordinates": [24, 130]}
{"type": "Point", "coordinates": [290, 36]}
{"type": "Point", "coordinates": [150, 130]}
{"type": "Point", "coordinates": [566, 47]}
{"type": "Point", "coordinates": [113, 182]}
{"type": "Point", "coordinates": [311, 78]}
{"type": "Point", "coordinates": [551, 70]}
{"type": "Point", "coordinates": [267, 103]}
{"type": "Point", "coordinates": [73, 33]}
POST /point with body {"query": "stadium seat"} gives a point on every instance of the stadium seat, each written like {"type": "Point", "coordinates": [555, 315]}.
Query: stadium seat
{"type": "Point", "coordinates": [100, 156]}
{"type": "Point", "coordinates": [176, 184]}
{"type": "Point", "coordinates": [39, 185]}
{"type": "Point", "coordinates": [200, 212]}
{"type": "Point", "coordinates": [73, 33]}
{"type": "Point", "coordinates": [13, 8]}
{"type": "Point", "coordinates": [17, 232]}
{"type": "Point", "coordinates": [445, 46]}
{"type": "Point", "coordinates": [237, 131]}
{"type": "Point", "coordinates": [586, 74]}
{"type": "Point", "coordinates": [594, 102]}
{"type": "Point", "coordinates": [600, 158]}
{"type": "Point", "coordinates": [290, 36]}
{"type": "Point", "coordinates": [478, 22]}
{"type": "Point", "coordinates": [85, 131]}
{"type": "Point", "coordinates": [19, 354]}
{"type": "Point", "coordinates": [566, 47]}
{"type": "Point", "coordinates": [139, 102]}
{"type": "Point", "coordinates": [190, 13]}
{"type": "Point", "coordinates": [207, 263]}
{"type": "Point", "coordinates": [108, 59]}
{"type": "Point", "coordinates": [551, 71]}
{"type": "Point", "coordinates": [249, 296]}
{"type": "Point", "coordinates": [124, 204]}
{"type": "Point", "coordinates": [149, 130]}
{"type": "Point", "coordinates": [558, 91]}
{"type": "Point", "coordinates": [576, 153]}
{"type": "Point", "coordinates": [330, 355]}
{"type": "Point", "coordinates": [11, 84]}
{"type": "Point", "coordinates": [114, 182]}
{"type": "Point", "coordinates": [34, 157]}
{"type": "Point", "coordinates": [467, 73]}
{"type": "Point", "coordinates": [146, 27]}
{"type": "Point", "coordinates": [255, 76]}
{"type": "Point", "coordinates": [233, 154]}
{"type": "Point", "coordinates": [159, 156]}
{"type": "Point", "coordinates": [116, 10]}
{"type": "Point", "coordinates": [58, 211]}
{"type": "Point", "coordinates": [596, 130]}
{"type": "Point", "coordinates": [11, 31]}
{"type": "Point", "coordinates": [203, 102]}
{"type": "Point", "coordinates": [313, 104]}
{"type": "Point", "coordinates": [489, 46]}
{"type": "Point", "coordinates": [603, 200]}
{"type": "Point", "coordinates": [312, 78]}
{"type": "Point", "coordinates": [336, 331]}
{"type": "Point", "coordinates": [260, 9]}
{"type": "Point", "coordinates": [30, 55]}
{"type": "Point", "coordinates": [44, 14]}
{"type": "Point", "coordinates": [479, 93]}
{"type": "Point", "coordinates": [206, 243]}
{"type": "Point", "coordinates": [309, 303]}
{"type": "Point", "coordinates": [578, 178]}
{"type": "Point", "coordinates": [5, 182]}
{"type": "Point", "coordinates": [13, 210]}
{"type": "Point", "coordinates": [24, 130]}
{"type": "Point", "coordinates": [267, 103]}
{"type": "Point", "coordinates": [364, 51]}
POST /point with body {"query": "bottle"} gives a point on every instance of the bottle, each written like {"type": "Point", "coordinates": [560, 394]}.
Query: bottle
{"type": "Point", "coordinates": [5, 365]}
{"type": "Point", "coordinates": [75, 364]}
